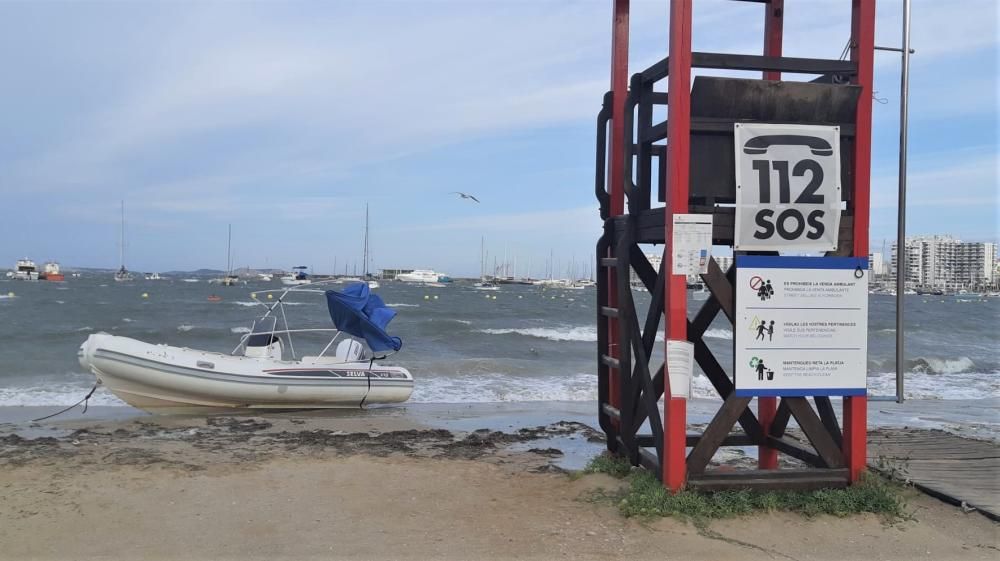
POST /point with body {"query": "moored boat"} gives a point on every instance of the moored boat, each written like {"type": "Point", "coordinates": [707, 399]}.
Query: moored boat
{"type": "Point", "coordinates": [263, 371]}
{"type": "Point", "coordinates": [24, 269]}
{"type": "Point", "coordinates": [51, 272]}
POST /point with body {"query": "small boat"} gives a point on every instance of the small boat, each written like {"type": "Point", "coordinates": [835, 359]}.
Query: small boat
{"type": "Point", "coordinates": [51, 272]}
{"type": "Point", "coordinates": [153, 276]}
{"type": "Point", "coordinates": [122, 275]}
{"type": "Point", "coordinates": [229, 279]}
{"type": "Point", "coordinates": [214, 298]}
{"type": "Point", "coordinates": [297, 277]}
{"type": "Point", "coordinates": [25, 269]}
{"type": "Point", "coordinates": [486, 284]}
{"type": "Point", "coordinates": [263, 371]}
{"type": "Point", "coordinates": [264, 277]}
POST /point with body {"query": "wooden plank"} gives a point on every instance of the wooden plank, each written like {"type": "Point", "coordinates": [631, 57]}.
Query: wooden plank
{"type": "Point", "coordinates": [717, 375]}
{"type": "Point", "coordinates": [716, 432]}
{"type": "Point", "coordinates": [829, 418]}
{"type": "Point", "coordinates": [794, 450]}
{"type": "Point", "coordinates": [721, 286]}
{"type": "Point", "coordinates": [763, 480]}
{"type": "Point", "coordinates": [814, 430]}
{"type": "Point", "coordinates": [954, 469]}
{"type": "Point", "coordinates": [780, 421]}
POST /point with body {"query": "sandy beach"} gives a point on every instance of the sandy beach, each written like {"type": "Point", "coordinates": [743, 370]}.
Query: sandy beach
{"type": "Point", "coordinates": [390, 484]}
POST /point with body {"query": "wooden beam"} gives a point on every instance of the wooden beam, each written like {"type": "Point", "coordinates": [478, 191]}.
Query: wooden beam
{"type": "Point", "coordinates": [829, 418]}
{"type": "Point", "coordinates": [780, 421]}
{"type": "Point", "coordinates": [715, 373]}
{"type": "Point", "coordinates": [716, 432]}
{"type": "Point", "coordinates": [814, 430]}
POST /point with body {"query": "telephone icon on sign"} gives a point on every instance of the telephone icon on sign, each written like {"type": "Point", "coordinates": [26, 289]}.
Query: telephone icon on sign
{"type": "Point", "coordinates": [760, 144]}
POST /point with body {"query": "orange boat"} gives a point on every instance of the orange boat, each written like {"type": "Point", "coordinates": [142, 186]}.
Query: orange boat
{"type": "Point", "coordinates": [50, 272]}
{"type": "Point", "coordinates": [214, 298]}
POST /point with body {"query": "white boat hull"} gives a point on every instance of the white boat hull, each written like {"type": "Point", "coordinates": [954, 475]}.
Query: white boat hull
{"type": "Point", "coordinates": [166, 379]}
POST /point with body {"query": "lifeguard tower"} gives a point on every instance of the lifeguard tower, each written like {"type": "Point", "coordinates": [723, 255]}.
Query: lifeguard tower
{"type": "Point", "coordinates": [647, 173]}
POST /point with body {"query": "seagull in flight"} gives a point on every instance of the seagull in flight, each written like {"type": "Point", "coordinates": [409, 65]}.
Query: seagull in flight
{"type": "Point", "coordinates": [464, 195]}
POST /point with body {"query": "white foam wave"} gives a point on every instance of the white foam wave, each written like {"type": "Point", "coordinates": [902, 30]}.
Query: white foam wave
{"type": "Point", "coordinates": [55, 395]}
{"type": "Point", "coordinates": [943, 365]}
{"type": "Point", "coordinates": [60, 302]}
{"type": "Point", "coordinates": [719, 334]}
{"type": "Point", "coordinates": [7, 296]}
{"type": "Point", "coordinates": [403, 305]}
{"type": "Point", "coordinates": [579, 333]}
{"type": "Point", "coordinates": [963, 385]}
{"type": "Point", "coordinates": [128, 320]}
{"type": "Point", "coordinates": [185, 328]}
{"type": "Point", "coordinates": [240, 330]}
{"type": "Point", "coordinates": [247, 304]}
{"type": "Point", "coordinates": [493, 388]}
{"type": "Point", "coordinates": [84, 328]}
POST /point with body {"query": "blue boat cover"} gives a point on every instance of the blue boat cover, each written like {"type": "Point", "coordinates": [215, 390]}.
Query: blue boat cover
{"type": "Point", "coordinates": [358, 312]}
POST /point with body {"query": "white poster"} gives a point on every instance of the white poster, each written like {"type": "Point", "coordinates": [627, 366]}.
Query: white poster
{"type": "Point", "coordinates": [692, 247]}
{"type": "Point", "coordinates": [787, 187]}
{"type": "Point", "coordinates": [801, 326]}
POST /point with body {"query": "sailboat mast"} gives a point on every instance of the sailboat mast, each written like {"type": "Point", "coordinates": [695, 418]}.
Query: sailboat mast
{"type": "Point", "coordinates": [121, 248]}
{"type": "Point", "coordinates": [229, 252]}
{"type": "Point", "coordinates": [365, 249]}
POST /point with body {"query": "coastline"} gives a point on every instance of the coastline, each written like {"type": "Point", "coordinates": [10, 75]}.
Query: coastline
{"type": "Point", "coordinates": [424, 481]}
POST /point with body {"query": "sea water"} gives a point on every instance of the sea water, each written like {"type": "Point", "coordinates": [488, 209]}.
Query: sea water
{"type": "Point", "coordinates": [461, 344]}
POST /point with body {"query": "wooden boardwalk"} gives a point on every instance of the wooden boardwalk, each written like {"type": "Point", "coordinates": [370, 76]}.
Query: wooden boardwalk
{"type": "Point", "coordinates": [954, 469]}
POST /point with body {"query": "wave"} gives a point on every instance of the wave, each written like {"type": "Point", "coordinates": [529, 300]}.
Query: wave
{"type": "Point", "coordinates": [719, 334]}
{"type": "Point", "coordinates": [56, 395]}
{"type": "Point", "coordinates": [128, 320]}
{"type": "Point", "coordinates": [185, 328]}
{"type": "Point", "coordinates": [7, 296]}
{"type": "Point", "coordinates": [499, 387]}
{"type": "Point", "coordinates": [403, 305]}
{"type": "Point", "coordinates": [931, 365]}
{"type": "Point", "coordinates": [60, 302]}
{"type": "Point", "coordinates": [247, 304]}
{"type": "Point", "coordinates": [580, 333]}
{"type": "Point", "coordinates": [239, 330]}
{"type": "Point", "coordinates": [84, 328]}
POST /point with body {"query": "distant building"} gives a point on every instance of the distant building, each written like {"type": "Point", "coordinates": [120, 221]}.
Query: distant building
{"type": "Point", "coordinates": [876, 264]}
{"type": "Point", "coordinates": [947, 263]}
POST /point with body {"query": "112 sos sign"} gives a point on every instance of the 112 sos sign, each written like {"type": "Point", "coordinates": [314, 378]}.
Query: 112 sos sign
{"type": "Point", "coordinates": [787, 187]}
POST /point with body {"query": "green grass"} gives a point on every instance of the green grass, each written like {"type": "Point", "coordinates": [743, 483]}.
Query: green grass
{"type": "Point", "coordinates": [647, 497]}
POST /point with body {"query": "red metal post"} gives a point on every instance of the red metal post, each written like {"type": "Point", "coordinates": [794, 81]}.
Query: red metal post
{"type": "Point", "coordinates": [862, 54]}
{"type": "Point", "coordinates": [774, 17]}
{"type": "Point", "coordinates": [619, 88]}
{"type": "Point", "coordinates": [678, 175]}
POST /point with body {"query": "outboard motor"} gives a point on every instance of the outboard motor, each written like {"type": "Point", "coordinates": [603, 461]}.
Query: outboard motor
{"type": "Point", "coordinates": [350, 350]}
{"type": "Point", "coordinates": [263, 345]}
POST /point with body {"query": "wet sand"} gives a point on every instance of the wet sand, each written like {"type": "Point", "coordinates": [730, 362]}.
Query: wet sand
{"type": "Point", "coordinates": [386, 484]}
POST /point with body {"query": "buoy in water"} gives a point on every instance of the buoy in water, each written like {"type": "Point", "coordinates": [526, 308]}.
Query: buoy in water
{"type": "Point", "coordinates": [253, 295]}
{"type": "Point", "coordinates": [494, 297]}
{"type": "Point", "coordinates": [426, 297]}
{"type": "Point", "coordinates": [145, 295]}
{"type": "Point", "coordinates": [435, 296]}
{"type": "Point", "coordinates": [270, 296]}
{"type": "Point", "coordinates": [519, 296]}
{"type": "Point", "coordinates": [487, 296]}
{"type": "Point", "coordinates": [10, 295]}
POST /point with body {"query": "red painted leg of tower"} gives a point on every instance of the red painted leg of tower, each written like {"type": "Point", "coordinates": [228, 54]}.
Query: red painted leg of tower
{"type": "Point", "coordinates": [678, 175]}
{"type": "Point", "coordinates": [674, 450]}
{"type": "Point", "coordinates": [619, 87]}
{"type": "Point", "coordinates": [774, 17]}
{"type": "Point", "coordinates": [862, 53]}
{"type": "Point", "coordinates": [767, 457]}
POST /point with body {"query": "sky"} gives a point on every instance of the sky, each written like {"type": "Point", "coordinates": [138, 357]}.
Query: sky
{"type": "Point", "coordinates": [285, 119]}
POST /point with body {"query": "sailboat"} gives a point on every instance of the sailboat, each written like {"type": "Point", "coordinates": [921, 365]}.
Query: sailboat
{"type": "Point", "coordinates": [372, 283]}
{"type": "Point", "coordinates": [484, 283]}
{"type": "Point", "coordinates": [123, 274]}
{"type": "Point", "coordinates": [230, 279]}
